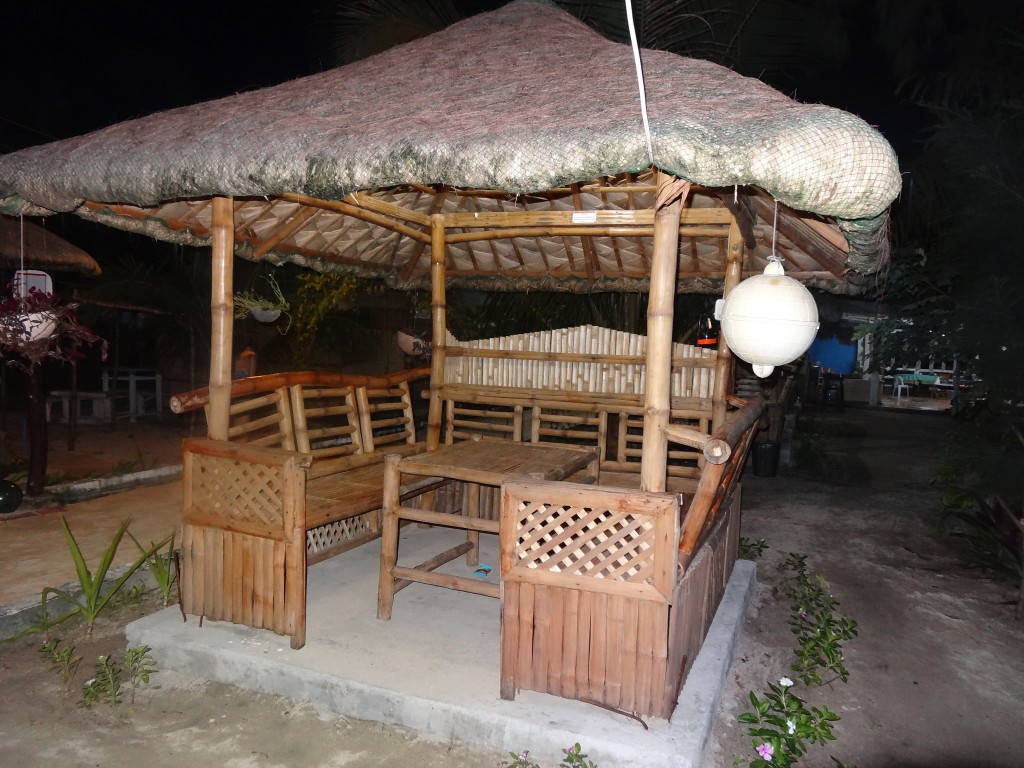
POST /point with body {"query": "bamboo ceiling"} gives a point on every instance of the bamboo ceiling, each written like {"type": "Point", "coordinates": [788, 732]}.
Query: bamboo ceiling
{"type": "Point", "coordinates": [521, 128]}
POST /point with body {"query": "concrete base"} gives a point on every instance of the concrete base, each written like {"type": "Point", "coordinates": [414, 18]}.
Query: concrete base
{"type": "Point", "coordinates": [435, 666]}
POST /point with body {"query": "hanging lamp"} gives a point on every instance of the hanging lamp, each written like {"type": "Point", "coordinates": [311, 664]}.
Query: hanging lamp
{"type": "Point", "coordinates": [769, 319]}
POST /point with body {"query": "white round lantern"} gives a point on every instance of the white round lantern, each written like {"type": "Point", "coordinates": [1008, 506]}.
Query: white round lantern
{"type": "Point", "coordinates": [769, 319]}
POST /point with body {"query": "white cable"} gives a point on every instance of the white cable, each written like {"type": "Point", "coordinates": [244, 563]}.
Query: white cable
{"type": "Point", "coordinates": [640, 79]}
{"type": "Point", "coordinates": [775, 231]}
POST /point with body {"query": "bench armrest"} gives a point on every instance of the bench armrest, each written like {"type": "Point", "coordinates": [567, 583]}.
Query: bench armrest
{"type": "Point", "coordinates": [247, 452]}
{"type": "Point", "coordinates": [322, 468]}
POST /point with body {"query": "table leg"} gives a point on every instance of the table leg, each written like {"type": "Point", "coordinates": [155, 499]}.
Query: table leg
{"type": "Point", "coordinates": [389, 537]}
{"type": "Point", "coordinates": [473, 510]}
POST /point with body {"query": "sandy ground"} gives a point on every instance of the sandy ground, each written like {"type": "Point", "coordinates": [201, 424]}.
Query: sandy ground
{"type": "Point", "coordinates": [936, 674]}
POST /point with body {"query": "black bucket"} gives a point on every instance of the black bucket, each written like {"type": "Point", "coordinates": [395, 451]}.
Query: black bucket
{"type": "Point", "coordinates": [766, 458]}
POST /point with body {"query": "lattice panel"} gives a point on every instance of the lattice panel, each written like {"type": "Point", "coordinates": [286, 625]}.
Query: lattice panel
{"type": "Point", "coordinates": [245, 492]}
{"type": "Point", "coordinates": [331, 535]}
{"type": "Point", "coordinates": [584, 541]}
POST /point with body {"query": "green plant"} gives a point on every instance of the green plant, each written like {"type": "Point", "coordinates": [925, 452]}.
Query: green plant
{"type": "Point", "coordinates": [63, 660]}
{"type": "Point", "coordinates": [139, 665]}
{"type": "Point", "coordinates": [575, 757]}
{"type": "Point", "coordinates": [105, 686]}
{"type": "Point", "coordinates": [247, 301]}
{"type": "Point", "coordinates": [161, 567]}
{"type": "Point", "coordinates": [751, 550]}
{"type": "Point", "coordinates": [820, 633]}
{"type": "Point", "coordinates": [783, 725]}
{"type": "Point", "coordinates": [94, 597]}
{"type": "Point", "coordinates": [520, 760]}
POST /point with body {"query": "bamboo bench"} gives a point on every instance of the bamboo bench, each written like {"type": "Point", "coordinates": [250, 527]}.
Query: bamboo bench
{"type": "Point", "coordinates": [299, 480]}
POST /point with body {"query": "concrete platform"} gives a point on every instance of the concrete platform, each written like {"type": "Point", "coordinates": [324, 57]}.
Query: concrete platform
{"type": "Point", "coordinates": [435, 666]}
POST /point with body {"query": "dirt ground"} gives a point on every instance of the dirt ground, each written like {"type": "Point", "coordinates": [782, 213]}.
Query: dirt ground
{"type": "Point", "coordinates": [177, 721]}
{"type": "Point", "coordinates": [936, 673]}
{"type": "Point", "coordinates": [937, 670]}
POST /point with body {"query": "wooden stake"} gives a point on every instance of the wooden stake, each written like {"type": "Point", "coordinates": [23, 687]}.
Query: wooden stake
{"type": "Point", "coordinates": [222, 317]}
{"type": "Point", "coordinates": [660, 307]}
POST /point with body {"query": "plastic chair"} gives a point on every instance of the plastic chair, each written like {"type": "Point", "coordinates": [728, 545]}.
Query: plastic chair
{"type": "Point", "coordinates": [899, 388]}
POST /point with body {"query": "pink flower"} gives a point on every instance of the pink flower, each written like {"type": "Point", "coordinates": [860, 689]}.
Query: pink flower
{"type": "Point", "coordinates": [766, 751]}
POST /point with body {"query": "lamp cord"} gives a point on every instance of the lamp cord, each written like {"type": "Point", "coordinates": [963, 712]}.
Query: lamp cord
{"type": "Point", "coordinates": [640, 79]}
{"type": "Point", "coordinates": [775, 232]}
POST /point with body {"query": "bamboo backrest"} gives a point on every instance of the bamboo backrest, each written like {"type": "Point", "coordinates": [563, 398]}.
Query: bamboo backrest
{"type": "Point", "coordinates": [469, 420]}
{"type": "Point", "coordinates": [326, 421]}
{"type": "Point", "coordinates": [263, 418]}
{"type": "Point", "coordinates": [566, 426]}
{"type": "Point", "coordinates": [386, 415]}
{"type": "Point", "coordinates": [325, 414]}
{"type": "Point", "coordinates": [682, 462]}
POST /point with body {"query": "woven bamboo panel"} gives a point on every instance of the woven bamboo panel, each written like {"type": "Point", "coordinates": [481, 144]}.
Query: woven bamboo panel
{"type": "Point", "coordinates": [692, 374]}
{"type": "Point", "coordinates": [598, 543]}
{"type": "Point", "coordinates": [330, 539]}
{"type": "Point", "coordinates": [249, 495]}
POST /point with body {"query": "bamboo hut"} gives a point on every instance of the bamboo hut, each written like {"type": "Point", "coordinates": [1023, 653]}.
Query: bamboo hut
{"type": "Point", "coordinates": [495, 154]}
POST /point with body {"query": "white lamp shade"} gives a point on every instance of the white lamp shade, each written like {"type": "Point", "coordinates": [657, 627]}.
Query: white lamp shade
{"type": "Point", "coordinates": [769, 319]}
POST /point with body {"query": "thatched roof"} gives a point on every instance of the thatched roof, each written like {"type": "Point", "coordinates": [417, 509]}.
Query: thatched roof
{"type": "Point", "coordinates": [521, 109]}
{"type": "Point", "coordinates": [22, 242]}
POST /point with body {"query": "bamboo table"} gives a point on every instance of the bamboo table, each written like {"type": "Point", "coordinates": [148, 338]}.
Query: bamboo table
{"type": "Point", "coordinates": [476, 463]}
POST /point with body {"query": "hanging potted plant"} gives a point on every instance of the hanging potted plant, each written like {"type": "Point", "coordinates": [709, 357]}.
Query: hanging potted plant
{"type": "Point", "coordinates": [261, 308]}
{"type": "Point", "coordinates": [34, 327]}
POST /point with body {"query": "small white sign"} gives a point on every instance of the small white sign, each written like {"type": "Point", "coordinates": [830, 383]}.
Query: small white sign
{"type": "Point", "coordinates": [584, 217]}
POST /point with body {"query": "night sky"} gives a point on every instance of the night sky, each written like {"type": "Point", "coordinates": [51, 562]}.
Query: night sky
{"type": "Point", "coordinates": [72, 68]}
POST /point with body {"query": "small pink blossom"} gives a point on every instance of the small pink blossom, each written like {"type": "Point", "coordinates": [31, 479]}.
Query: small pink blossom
{"type": "Point", "coordinates": [766, 751]}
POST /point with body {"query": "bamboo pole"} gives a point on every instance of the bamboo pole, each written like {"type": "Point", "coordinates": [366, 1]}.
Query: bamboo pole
{"type": "Point", "coordinates": [657, 401]}
{"type": "Point", "coordinates": [222, 317]}
{"type": "Point", "coordinates": [439, 329]}
{"type": "Point", "coordinates": [724, 363]}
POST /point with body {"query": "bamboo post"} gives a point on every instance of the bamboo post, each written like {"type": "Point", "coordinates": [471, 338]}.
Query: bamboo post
{"type": "Point", "coordinates": [724, 363]}
{"type": "Point", "coordinates": [222, 317]}
{"type": "Point", "coordinates": [661, 301]}
{"type": "Point", "coordinates": [439, 328]}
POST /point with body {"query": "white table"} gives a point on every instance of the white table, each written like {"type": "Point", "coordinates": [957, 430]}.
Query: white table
{"type": "Point", "coordinates": [151, 390]}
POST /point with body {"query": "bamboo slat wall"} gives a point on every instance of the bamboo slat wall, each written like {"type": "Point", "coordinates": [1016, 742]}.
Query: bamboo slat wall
{"type": "Point", "coordinates": [585, 359]}
{"type": "Point", "coordinates": [698, 593]}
